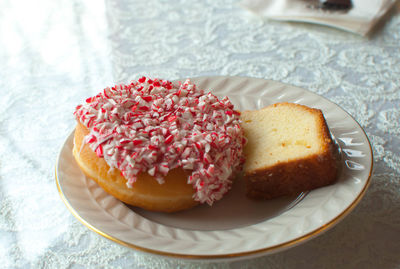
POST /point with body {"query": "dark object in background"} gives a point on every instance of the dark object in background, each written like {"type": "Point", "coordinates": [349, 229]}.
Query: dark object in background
{"type": "Point", "coordinates": [336, 4]}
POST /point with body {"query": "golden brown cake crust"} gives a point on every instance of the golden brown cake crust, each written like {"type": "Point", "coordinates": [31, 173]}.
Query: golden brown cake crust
{"type": "Point", "coordinates": [295, 176]}
{"type": "Point", "coordinates": [292, 177]}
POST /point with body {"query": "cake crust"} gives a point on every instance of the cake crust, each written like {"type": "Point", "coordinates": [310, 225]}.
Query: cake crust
{"type": "Point", "coordinates": [292, 177]}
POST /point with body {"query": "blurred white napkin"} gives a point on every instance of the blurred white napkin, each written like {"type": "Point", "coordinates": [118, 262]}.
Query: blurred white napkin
{"type": "Point", "coordinates": [360, 18]}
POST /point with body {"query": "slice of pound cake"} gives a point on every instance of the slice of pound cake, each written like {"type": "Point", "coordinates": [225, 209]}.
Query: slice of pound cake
{"type": "Point", "coordinates": [289, 150]}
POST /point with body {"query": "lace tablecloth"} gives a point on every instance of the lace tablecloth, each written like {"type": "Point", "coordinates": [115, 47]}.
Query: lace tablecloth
{"type": "Point", "coordinates": [54, 54]}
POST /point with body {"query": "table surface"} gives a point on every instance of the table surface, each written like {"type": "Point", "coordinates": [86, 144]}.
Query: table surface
{"type": "Point", "coordinates": [54, 54]}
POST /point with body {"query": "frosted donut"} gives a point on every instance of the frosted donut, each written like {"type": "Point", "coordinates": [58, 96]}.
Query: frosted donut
{"type": "Point", "coordinates": [159, 146]}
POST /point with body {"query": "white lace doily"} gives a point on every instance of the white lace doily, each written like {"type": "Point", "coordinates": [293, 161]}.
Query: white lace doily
{"type": "Point", "coordinates": [55, 54]}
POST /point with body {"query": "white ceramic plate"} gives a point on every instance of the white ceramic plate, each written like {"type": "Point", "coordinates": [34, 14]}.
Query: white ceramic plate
{"type": "Point", "coordinates": [235, 227]}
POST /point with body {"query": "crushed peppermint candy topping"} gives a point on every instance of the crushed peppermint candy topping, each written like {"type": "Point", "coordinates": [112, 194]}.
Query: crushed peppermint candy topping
{"type": "Point", "coordinates": [153, 126]}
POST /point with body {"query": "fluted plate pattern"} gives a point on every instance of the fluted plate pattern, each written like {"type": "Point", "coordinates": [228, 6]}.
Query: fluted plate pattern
{"type": "Point", "coordinates": [191, 234]}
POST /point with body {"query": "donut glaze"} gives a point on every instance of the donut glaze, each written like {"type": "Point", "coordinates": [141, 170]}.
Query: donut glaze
{"type": "Point", "coordinates": [151, 131]}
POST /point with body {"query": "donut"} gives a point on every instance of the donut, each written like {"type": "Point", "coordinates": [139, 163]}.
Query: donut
{"type": "Point", "coordinates": [159, 146]}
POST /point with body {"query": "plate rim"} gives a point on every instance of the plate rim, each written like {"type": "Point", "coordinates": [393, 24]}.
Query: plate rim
{"type": "Point", "coordinates": [243, 254]}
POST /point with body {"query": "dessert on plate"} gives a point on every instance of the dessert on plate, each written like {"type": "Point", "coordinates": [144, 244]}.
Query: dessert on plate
{"type": "Point", "coordinates": [289, 150]}
{"type": "Point", "coordinates": [159, 146]}
{"type": "Point", "coordinates": [166, 147]}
